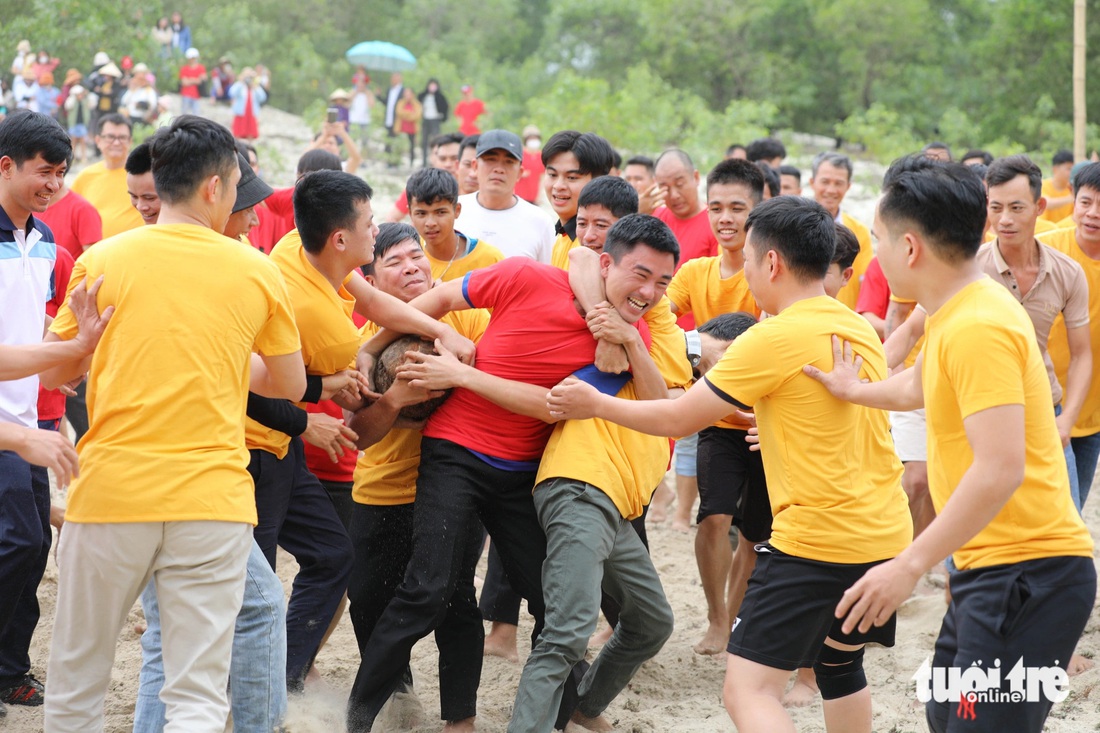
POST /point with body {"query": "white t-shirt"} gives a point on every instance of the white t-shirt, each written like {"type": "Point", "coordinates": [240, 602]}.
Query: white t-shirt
{"type": "Point", "coordinates": [524, 230]}
{"type": "Point", "coordinates": [359, 112]}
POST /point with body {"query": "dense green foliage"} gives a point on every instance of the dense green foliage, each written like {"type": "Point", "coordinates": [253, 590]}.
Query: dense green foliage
{"type": "Point", "coordinates": [648, 73]}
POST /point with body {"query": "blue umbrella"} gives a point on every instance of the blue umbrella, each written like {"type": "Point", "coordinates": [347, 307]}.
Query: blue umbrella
{"type": "Point", "coordinates": [381, 56]}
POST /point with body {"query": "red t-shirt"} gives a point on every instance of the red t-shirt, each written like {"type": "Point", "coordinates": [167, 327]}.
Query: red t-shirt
{"type": "Point", "coordinates": [696, 240]}
{"type": "Point", "coordinates": [191, 72]}
{"type": "Point", "coordinates": [528, 186]}
{"type": "Point", "coordinates": [536, 336]}
{"type": "Point", "coordinates": [276, 221]}
{"type": "Point", "coordinates": [468, 110]}
{"type": "Point", "coordinates": [318, 461]}
{"type": "Point", "coordinates": [402, 202]}
{"type": "Point", "coordinates": [874, 293]}
{"type": "Point", "coordinates": [74, 223]}
{"type": "Point", "coordinates": [51, 403]}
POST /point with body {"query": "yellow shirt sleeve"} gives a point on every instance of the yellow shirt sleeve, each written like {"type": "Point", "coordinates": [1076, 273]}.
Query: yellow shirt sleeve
{"type": "Point", "coordinates": [746, 372]}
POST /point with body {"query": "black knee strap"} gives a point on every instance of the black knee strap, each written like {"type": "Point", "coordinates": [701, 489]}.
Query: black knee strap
{"type": "Point", "coordinates": [839, 672]}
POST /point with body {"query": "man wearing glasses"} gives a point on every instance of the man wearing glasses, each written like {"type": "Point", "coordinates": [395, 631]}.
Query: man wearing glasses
{"type": "Point", "coordinates": [104, 183]}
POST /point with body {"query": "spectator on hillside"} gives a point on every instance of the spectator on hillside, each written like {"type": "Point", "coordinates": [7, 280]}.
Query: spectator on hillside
{"type": "Point", "coordinates": [140, 100]}
{"type": "Point", "coordinates": [436, 112]}
{"type": "Point", "coordinates": [362, 100]}
{"type": "Point", "coordinates": [162, 34]}
{"type": "Point", "coordinates": [247, 97]}
{"type": "Point", "coordinates": [409, 114]}
{"type": "Point", "coordinates": [43, 62]}
{"type": "Point", "coordinates": [25, 89]}
{"type": "Point", "coordinates": [468, 110]}
{"type": "Point", "coordinates": [192, 76]}
{"type": "Point", "coordinates": [108, 90]}
{"type": "Point", "coordinates": [47, 94]}
{"type": "Point", "coordinates": [22, 53]}
{"type": "Point", "coordinates": [181, 33]}
{"type": "Point", "coordinates": [78, 107]}
{"type": "Point", "coordinates": [221, 79]}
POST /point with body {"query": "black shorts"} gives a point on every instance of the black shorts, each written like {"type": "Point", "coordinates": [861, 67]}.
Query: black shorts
{"type": "Point", "coordinates": [789, 610]}
{"type": "Point", "coordinates": [1033, 610]}
{"type": "Point", "coordinates": [731, 481]}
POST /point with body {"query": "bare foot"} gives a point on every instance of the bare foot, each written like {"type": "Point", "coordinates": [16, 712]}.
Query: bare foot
{"type": "Point", "coordinates": [714, 642]}
{"type": "Point", "coordinates": [314, 681]}
{"type": "Point", "coordinates": [601, 637]}
{"type": "Point", "coordinates": [580, 722]}
{"type": "Point", "coordinates": [804, 690]}
{"type": "Point", "coordinates": [660, 503]}
{"type": "Point", "coordinates": [1079, 664]}
{"type": "Point", "coordinates": [140, 627]}
{"type": "Point", "coordinates": [461, 726]}
{"type": "Point", "coordinates": [501, 642]}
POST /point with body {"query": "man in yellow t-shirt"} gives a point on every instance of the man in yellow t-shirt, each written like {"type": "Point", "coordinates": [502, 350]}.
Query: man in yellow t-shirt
{"type": "Point", "coordinates": [385, 486]}
{"type": "Point", "coordinates": [1026, 583]}
{"type": "Point", "coordinates": [1057, 189]}
{"type": "Point", "coordinates": [731, 485]}
{"type": "Point", "coordinates": [836, 496]}
{"type": "Point", "coordinates": [1082, 243]}
{"type": "Point", "coordinates": [572, 160]}
{"type": "Point", "coordinates": [104, 183]}
{"type": "Point", "coordinates": [433, 208]}
{"type": "Point", "coordinates": [831, 179]}
{"type": "Point", "coordinates": [154, 400]}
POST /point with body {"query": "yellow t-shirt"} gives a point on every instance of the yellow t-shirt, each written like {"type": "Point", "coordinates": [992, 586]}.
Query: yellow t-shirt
{"type": "Point", "coordinates": [699, 288]}
{"type": "Point", "coordinates": [624, 464]}
{"type": "Point", "coordinates": [1065, 241]}
{"type": "Point", "coordinates": [478, 254]}
{"type": "Point", "coordinates": [563, 245]}
{"type": "Point", "coordinates": [169, 381]}
{"type": "Point", "coordinates": [1041, 227]}
{"type": "Point", "coordinates": [385, 474]}
{"type": "Point", "coordinates": [1066, 223]}
{"type": "Point", "coordinates": [106, 190]}
{"type": "Point", "coordinates": [330, 339]}
{"type": "Point", "coordinates": [834, 479]}
{"type": "Point", "coordinates": [981, 353]}
{"type": "Point", "coordinates": [1056, 213]}
{"type": "Point", "coordinates": [849, 294]}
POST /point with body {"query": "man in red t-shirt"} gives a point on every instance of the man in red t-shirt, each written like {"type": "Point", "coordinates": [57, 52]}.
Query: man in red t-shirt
{"type": "Point", "coordinates": [192, 74]}
{"type": "Point", "coordinates": [468, 110]}
{"type": "Point", "coordinates": [874, 297]}
{"type": "Point", "coordinates": [530, 180]}
{"type": "Point", "coordinates": [75, 223]}
{"type": "Point", "coordinates": [480, 456]}
{"type": "Point", "coordinates": [684, 211]}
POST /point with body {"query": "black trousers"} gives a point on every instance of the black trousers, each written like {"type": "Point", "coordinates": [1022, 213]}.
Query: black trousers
{"type": "Point", "coordinates": [382, 537]}
{"type": "Point", "coordinates": [453, 490]}
{"type": "Point", "coordinates": [296, 513]}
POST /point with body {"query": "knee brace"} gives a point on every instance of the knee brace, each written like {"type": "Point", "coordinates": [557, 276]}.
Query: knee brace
{"type": "Point", "coordinates": [839, 673]}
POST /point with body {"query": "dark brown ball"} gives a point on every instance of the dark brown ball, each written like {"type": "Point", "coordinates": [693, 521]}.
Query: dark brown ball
{"type": "Point", "coordinates": [386, 367]}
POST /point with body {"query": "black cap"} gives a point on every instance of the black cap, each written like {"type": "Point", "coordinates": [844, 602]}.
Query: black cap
{"type": "Point", "coordinates": [509, 142]}
{"type": "Point", "coordinates": [251, 189]}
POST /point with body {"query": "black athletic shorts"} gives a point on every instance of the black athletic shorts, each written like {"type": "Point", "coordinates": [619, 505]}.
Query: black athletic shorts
{"type": "Point", "coordinates": [731, 481]}
{"type": "Point", "coordinates": [789, 610]}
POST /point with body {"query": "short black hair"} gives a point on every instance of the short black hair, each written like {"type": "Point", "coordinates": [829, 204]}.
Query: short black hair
{"type": "Point", "coordinates": [318, 160]}
{"type": "Point", "coordinates": [771, 178]}
{"type": "Point", "coordinates": [245, 148]}
{"type": "Point", "coordinates": [636, 229]}
{"type": "Point", "coordinates": [429, 185]}
{"type": "Point", "coordinates": [791, 170]}
{"type": "Point", "coordinates": [847, 247]}
{"type": "Point", "coordinates": [612, 193]}
{"type": "Point", "coordinates": [325, 201]}
{"type": "Point", "coordinates": [595, 156]}
{"type": "Point", "coordinates": [937, 145]}
{"type": "Point", "coordinates": [1005, 169]}
{"type": "Point", "coordinates": [1087, 177]}
{"type": "Point", "coordinates": [945, 202]}
{"type": "Point", "coordinates": [728, 326]}
{"type": "Point", "coordinates": [734, 147]}
{"type": "Point", "coordinates": [187, 152]}
{"type": "Point", "coordinates": [445, 139]}
{"type": "Point", "coordinates": [28, 134]}
{"type": "Point", "coordinates": [733, 171]}
{"type": "Point", "coordinates": [1062, 156]}
{"type": "Point", "coordinates": [470, 141]}
{"type": "Point", "coordinates": [800, 230]}
{"type": "Point", "coordinates": [644, 161]}
{"type": "Point", "coordinates": [390, 234]}
{"type": "Point", "coordinates": [616, 159]}
{"type": "Point", "coordinates": [113, 118]}
{"type": "Point", "coordinates": [984, 155]}
{"type": "Point", "coordinates": [765, 148]}
{"type": "Point", "coordinates": [140, 159]}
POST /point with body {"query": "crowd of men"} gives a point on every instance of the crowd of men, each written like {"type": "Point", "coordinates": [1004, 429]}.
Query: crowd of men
{"type": "Point", "coordinates": [243, 398]}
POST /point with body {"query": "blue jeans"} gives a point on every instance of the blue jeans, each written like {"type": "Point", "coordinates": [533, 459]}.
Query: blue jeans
{"type": "Point", "coordinates": [1086, 450]}
{"type": "Point", "coordinates": [257, 672]}
{"type": "Point", "coordinates": [1071, 466]}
